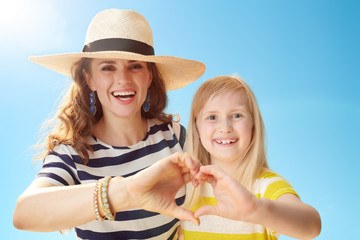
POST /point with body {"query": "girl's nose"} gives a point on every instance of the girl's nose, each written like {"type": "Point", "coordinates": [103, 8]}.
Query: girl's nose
{"type": "Point", "coordinates": [225, 126]}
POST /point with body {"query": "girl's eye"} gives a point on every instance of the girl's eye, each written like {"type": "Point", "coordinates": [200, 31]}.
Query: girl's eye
{"type": "Point", "coordinates": [108, 68]}
{"type": "Point", "coordinates": [212, 117]}
{"type": "Point", "coordinates": [236, 115]}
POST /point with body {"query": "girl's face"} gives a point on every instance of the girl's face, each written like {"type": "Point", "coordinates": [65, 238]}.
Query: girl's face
{"type": "Point", "coordinates": [225, 126]}
{"type": "Point", "coordinates": [121, 85]}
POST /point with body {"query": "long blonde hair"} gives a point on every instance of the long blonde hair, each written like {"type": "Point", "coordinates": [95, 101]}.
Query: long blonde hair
{"type": "Point", "coordinates": [73, 123]}
{"type": "Point", "coordinates": [254, 160]}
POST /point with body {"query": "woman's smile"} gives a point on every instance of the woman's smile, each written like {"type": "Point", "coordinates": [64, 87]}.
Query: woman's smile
{"type": "Point", "coordinates": [125, 96]}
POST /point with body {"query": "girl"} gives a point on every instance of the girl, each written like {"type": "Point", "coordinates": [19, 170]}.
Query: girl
{"type": "Point", "coordinates": [112, 124]}
{"type": "Point", "coordinates": [243, 198]}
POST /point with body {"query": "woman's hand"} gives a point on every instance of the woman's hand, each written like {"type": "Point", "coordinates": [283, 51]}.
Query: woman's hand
{"type": "Point", "coordinates": [154, 188]}
{"type": "Point", "coordinates": [234, 201]}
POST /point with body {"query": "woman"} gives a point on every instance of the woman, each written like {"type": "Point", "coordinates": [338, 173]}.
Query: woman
{"type": "Point", "coordinates": [111, 123]}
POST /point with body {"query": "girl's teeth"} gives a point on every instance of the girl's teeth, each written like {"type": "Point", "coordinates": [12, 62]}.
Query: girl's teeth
{"type": "Point", "coordinates": [225, 141]}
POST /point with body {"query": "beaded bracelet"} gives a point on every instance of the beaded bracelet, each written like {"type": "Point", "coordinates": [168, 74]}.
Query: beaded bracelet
{"type": "Point", "coordinates": [96, 205]}
{"type": "Point", "coordinates": [105, 205]}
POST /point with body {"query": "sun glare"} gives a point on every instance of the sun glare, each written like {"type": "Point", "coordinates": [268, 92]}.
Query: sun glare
{"type": "Point", "coordinates": [31, 23]}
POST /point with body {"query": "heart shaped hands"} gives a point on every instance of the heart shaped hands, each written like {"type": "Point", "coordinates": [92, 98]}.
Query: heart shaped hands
{"type": "Point", "coordinates": [234, 201]}
{"type": "Point", "coordinates": [154, 189]}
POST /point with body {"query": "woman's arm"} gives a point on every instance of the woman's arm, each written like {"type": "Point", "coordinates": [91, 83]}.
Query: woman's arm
{"type": "Point", "coordinates": [287, 215]}
{"type": "Point", "coordinates": [44, 207]}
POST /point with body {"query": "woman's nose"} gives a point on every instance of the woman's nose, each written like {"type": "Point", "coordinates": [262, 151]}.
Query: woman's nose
{"type": "Point", "coordinates": [122, 75]}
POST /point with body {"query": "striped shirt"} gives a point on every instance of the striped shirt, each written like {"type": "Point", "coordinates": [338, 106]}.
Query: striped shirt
{"type": "Point", "coordinates": [63, 167]}
{"type": "Point", "coordinates": [269, 185]}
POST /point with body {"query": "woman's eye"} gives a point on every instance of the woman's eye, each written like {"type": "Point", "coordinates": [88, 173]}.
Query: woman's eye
{"type": "Point", "coordinates": [108, 68]}
{"type": "Point", "coordinates": [135, 66]}
{"type": "Point", "coordinates": [236, 115]}
{"type": "Point", "coordinates": [212, 117]}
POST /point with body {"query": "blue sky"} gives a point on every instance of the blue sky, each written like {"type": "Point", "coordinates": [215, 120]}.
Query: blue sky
{"type": "Point", "coordinates": [301, 59]}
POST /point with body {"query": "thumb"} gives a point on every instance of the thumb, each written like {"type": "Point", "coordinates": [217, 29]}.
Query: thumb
{"type": "Point", "coordinates": [185, 215]}
{"type": "Point", "coordinates": [206, 210]}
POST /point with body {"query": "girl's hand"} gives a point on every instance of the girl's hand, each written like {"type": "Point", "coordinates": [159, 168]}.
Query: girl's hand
{"type": "Point", "coordinates": [287, 215]}
{"type": "Point", "coordinates": [233, 200]}
{"type": "Point", "coordinates": [154, 188]}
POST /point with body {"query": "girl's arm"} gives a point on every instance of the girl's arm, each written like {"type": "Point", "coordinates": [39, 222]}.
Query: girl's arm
{"type": "Point", "coordinates": [44, 207]}
{"type": "Point", "coordinates": [287, 215]}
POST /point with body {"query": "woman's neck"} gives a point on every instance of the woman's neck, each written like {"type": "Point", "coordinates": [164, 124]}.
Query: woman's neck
{"type": "Point", "coordinates": [121, 131]}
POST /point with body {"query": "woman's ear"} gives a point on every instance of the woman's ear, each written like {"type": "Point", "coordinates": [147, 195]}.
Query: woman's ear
{"type": "Point", "coordinates": [150, 79]}
{"type": "Point", "coordinates": [88, 80]}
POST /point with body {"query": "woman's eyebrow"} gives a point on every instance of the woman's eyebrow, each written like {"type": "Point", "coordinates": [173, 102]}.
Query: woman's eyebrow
{"type": "Point", "coordinates": [113, 62]}
{"type": "Point", "coordinates": [107, 62]}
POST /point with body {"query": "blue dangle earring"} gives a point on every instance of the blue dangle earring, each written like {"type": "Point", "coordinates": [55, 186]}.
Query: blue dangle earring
{"type": "Point", "coordinates": [92, 104]}
{"type": "Point", "coordinates": [146, 105]}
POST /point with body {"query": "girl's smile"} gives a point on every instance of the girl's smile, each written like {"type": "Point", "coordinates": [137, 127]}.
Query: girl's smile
{"type": "Point", "coordinates": [226, 141]}
{"type": "Point", "coordinates": [225, 127]}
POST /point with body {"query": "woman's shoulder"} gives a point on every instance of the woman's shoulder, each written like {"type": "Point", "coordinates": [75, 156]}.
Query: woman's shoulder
{"type": "Point", "coordinates": [171, 126]}
{"type": "Point", "coordinates": [155, 121]}
{"type": "Point", "coordinates": [63, 148]}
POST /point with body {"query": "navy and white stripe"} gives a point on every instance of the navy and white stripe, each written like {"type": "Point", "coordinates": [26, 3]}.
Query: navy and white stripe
{"type": "Point", "coordinates": [64, 167]}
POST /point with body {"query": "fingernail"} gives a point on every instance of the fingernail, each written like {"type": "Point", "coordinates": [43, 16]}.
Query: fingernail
{"type": "Point", "coordinates": [197, 222]}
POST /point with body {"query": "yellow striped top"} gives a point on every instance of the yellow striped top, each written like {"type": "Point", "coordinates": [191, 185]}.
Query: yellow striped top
{"type": "Point", "coordinates": [269, 185]}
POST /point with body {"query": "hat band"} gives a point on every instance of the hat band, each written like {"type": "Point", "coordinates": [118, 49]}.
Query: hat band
{"type": "Point", "coordinates": [119, 44]}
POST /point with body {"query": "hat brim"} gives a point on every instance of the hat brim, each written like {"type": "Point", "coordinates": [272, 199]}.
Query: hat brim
{"type": "Point", "coordinates": [176, 72]}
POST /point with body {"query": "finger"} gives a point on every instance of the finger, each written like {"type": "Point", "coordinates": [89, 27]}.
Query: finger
{"type": "Point", "coordinates": [177, 158]}
{"type": "Point", "coordinates": [206, 210]}
{"type": "Point", "coordinates": [195, 182]}
{"type": "Point", "coordinates": [213, 171]}
{"type": "Point", "coordinates": [189, 178]}
{"type": "Point", "coordinates": [185, 215]}
{"type": "Point", "coordinates": [191, 163]}
{"type": "Point", "coordinates": [202, 177]}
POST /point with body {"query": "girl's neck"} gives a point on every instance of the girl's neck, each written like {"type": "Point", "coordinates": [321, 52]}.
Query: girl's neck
{"type": "Point", "coordinates": [121, 131]}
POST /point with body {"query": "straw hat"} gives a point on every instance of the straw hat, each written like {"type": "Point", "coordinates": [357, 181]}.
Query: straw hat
{"type": "Point", "coordinates": [125, 34]}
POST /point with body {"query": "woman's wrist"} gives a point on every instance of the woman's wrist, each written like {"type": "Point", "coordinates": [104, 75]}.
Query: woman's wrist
{"type": "Point", "coordinates": [118, 195]}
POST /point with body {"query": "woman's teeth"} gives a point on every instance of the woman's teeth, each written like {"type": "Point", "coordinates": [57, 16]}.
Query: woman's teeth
{"type": "Point", "coordinates": [124, 95]}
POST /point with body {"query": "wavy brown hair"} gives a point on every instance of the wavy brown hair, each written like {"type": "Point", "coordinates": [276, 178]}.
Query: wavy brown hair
{"type": "Point", "coordinates": [73, 123]}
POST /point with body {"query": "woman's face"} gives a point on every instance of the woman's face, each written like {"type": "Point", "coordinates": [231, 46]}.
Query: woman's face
{"type": "Point", "coordinates": [225, 126]}
{"type": "Point", "coordinates": [121, 85]}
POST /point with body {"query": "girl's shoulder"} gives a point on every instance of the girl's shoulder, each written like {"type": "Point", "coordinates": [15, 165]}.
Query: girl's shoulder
{"type": "Point", "coordinates": [268, 174]}
{"type": "Point", "coordinates": [272, 185]}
